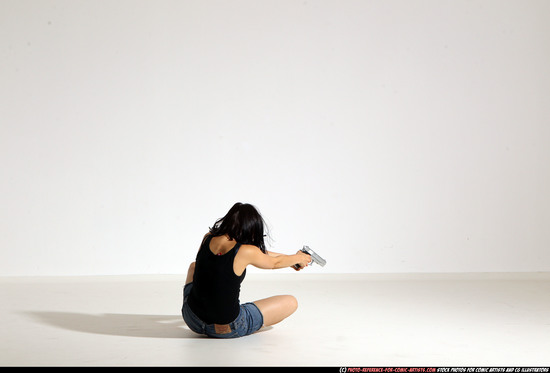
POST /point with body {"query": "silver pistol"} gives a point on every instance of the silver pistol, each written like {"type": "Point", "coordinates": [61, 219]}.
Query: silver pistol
{"type": "Point", "coordinates": [315, 258]}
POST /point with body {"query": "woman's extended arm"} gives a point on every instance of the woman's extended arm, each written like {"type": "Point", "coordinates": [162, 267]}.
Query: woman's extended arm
{"type": "Point", "coordinates": [249, 254]}
{"type": "Point", "coordinates": [273, 254]}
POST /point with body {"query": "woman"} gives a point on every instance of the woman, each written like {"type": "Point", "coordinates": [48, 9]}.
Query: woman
{"type": "Point", "coordinates": [211, 294]}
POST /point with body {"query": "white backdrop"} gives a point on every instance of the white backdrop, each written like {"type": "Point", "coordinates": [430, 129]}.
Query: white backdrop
{"type": "Point", "coordinates": [390, 136]}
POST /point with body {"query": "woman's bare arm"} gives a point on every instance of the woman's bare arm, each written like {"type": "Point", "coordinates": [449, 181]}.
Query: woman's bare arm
{"type": "Point", "coordinates": [273, 254]}
{"type": "Point", "coordinates": [249, 254]}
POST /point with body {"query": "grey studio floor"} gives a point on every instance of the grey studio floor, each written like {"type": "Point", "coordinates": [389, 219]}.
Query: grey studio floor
{"type": "Point", "coordinates": [342, 320]}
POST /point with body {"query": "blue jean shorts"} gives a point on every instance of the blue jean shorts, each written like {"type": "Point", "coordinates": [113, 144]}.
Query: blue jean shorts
{"type": "Point", "coordinates": [250, 320]}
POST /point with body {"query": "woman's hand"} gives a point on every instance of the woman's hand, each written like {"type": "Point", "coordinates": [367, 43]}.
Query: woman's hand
{"type": "Point", "coordinates": [303, 261]}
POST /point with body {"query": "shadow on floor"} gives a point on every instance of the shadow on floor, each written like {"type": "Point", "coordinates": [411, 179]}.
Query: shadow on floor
{"type": "Point", "coordinates": [128, 325]}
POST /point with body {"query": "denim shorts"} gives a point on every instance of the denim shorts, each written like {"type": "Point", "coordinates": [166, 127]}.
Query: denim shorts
{"type": "Point", "coordinates": [250, 319]}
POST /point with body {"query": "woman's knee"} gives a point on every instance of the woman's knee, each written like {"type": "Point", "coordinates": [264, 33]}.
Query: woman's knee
{"type": "Point", "coordinates": [292, 303]}
{"type": "Point", "coordinates": [277, 308]}
{"type": "Point", "coordinates": [289, 304]}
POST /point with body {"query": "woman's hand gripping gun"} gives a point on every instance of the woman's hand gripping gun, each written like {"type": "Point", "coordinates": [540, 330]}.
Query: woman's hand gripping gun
{"type": "Point", "coordinates": [315, 258]}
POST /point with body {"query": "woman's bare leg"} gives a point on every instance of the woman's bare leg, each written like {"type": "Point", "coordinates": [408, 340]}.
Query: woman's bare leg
{"type": "Point", "coordinates": [277, 308]}
{"type": "Point", "coordinates": [190, 273]}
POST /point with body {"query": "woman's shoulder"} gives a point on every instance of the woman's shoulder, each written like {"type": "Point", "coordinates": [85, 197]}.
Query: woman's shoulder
{"type": "Point", "coordinates": [249, 248]}
{"type": "Point", "coordinates": [205, 238]}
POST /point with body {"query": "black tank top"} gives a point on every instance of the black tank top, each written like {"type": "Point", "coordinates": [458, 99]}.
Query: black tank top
{"type": "Point", "coordinates": [214, 297]}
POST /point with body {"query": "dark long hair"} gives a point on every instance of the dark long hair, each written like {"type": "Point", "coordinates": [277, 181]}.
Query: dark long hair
{"type": "Point", "coordinates": [244, 224]}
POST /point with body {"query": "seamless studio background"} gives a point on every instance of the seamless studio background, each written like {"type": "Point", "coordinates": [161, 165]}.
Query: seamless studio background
{"type": "Point", "coordinates": [389, 136]}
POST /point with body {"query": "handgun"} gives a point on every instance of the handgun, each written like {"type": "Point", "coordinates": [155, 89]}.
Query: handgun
{"type": "Point", "coordinates": [315, 258]}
